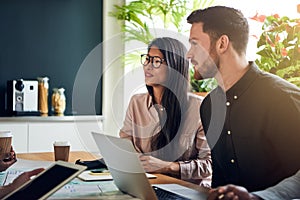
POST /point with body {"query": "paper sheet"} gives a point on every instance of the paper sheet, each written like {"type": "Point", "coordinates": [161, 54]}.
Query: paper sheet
{"type": "Point", "coordinates": [75, 189]}
{"type": "Point", "coordinates": [20, 166]}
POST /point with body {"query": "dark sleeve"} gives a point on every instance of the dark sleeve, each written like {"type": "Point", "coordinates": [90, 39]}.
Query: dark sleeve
{"type": "Point", "coordinates": [285, 129]}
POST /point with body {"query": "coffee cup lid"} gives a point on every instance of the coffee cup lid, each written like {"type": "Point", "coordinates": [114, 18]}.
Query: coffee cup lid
{"type": "Point", "coordinates": [61, 143]}
{"type": "Point", "coordinates": [5, 134]}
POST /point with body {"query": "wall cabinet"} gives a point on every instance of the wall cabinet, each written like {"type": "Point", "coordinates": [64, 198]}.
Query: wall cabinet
{"type": "Point", "coordinates": [37, 134]}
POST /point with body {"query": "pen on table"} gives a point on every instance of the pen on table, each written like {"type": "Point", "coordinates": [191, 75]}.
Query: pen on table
{"type": "Point", "coordinates": [99, 174]}
{"type": "Point", "coordinates": [221, 196]}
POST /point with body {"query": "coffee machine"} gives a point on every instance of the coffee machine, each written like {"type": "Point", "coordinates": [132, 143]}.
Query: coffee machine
{"type": "Point", "coordinates": [22, 97]}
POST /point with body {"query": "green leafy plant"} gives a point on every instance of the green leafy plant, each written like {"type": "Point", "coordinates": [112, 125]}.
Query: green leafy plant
{"type": "Point", "coordinates": [278, 46]}
{"type": "Point", "coordinates": [140, 16]}
{"type": "Point", "coordinates": [205, 85]}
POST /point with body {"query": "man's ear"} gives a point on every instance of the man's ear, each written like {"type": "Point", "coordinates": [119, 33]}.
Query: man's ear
{"type": "Point", "coordinates": [222, 44]}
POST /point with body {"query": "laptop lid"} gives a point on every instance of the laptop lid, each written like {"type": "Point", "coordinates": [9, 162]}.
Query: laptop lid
{"type": "Point", "coordinates": [124, 166]}
{"type": "Point", "coordinates": [47, 182]}
{"type": "Point", "coordinates": [128, 174]}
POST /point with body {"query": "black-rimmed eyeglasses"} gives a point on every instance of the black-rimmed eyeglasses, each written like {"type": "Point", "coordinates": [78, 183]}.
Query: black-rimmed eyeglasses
{"type": "Point", "coordinates": [156, 61]}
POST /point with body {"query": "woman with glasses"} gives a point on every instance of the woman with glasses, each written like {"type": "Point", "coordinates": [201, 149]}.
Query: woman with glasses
{"type": "Point", "coordinates": [164, 123]}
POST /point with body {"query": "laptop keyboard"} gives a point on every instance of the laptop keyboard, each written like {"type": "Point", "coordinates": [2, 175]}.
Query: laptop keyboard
{"type": "Point", "coordinates": [166, 195]}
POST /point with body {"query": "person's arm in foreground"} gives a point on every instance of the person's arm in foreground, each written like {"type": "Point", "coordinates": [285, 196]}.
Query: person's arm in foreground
{"type": "Point", "coordinates": [288, 188]}
{"type": "Point", "coordinates": [20, 180]}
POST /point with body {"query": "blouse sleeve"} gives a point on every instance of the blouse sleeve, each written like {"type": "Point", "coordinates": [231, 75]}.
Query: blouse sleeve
{"type": "Point", "coordinates": [199, 169]}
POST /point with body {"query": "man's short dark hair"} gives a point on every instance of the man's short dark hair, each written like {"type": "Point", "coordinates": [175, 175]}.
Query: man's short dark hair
{"type": "Point", "coordinates": [221, 20]}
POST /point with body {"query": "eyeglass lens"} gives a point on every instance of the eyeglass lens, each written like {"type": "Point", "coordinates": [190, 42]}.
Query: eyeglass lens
{"type": "Point", "coordinates": [155, 60]}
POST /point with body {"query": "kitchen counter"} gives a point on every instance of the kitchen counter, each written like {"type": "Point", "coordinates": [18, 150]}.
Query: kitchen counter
{"type": "Point", "coordinates": [37, 134]}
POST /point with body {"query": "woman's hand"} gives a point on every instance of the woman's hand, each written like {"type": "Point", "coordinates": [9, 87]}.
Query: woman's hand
{"type": "Point", "coordinates": [152, 164]}
{"type": "Point", "coordinates": [7, 160]}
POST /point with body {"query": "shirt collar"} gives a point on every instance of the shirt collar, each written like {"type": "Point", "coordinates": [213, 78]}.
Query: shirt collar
{"type": "Point", "coordinates": [249, 77]}
{"type": "Point", "coordinates": [149, 101]}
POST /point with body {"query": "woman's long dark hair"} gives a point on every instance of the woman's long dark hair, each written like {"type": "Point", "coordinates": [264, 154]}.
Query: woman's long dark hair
{"type": "Point", "coordinates": [174, 98]}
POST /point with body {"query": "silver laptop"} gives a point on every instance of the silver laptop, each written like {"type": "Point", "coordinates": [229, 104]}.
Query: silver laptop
{"type": "Point", "coordinates": [47, 182]}
{"type": "Point", "coordinates": [128, 174]}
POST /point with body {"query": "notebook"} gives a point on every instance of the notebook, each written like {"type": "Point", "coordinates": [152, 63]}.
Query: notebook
{"type": "Point", "coordinates": [128, 174]}
{"type": "Point", "coordinates": [47, 182]}
{"type": "Point", "coordinates": [90, 175]}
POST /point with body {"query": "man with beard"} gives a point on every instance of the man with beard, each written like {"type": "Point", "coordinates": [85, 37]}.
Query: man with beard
{"type": "Point", "coordinates": [251, 120]}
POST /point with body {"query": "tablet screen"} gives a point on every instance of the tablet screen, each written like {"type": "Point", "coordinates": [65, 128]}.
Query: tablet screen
{"type": "Point", "coordinates": [44, 183]}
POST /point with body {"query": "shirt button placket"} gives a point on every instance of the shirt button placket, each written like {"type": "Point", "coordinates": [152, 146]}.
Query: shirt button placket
{"type": "Point", "coordinates": [232, 161]}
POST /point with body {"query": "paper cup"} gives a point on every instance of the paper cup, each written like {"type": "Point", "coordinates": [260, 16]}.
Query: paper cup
{"type": "Point", "coordinates": [5, 142]}
{"type": "Point", "coordinates": [61, 150]}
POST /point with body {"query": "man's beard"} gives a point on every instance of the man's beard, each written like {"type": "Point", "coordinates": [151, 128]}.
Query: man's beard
{"type": "Point", "coordinates": [209, 67]}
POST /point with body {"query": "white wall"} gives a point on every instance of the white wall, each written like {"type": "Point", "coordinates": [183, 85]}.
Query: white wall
{"type": "Point", "coordinates": [113, 89]}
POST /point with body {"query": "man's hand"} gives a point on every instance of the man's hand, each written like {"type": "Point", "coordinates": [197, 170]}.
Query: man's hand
{"type": "Point", "coordinates": [152, 164]}
{"type": "Point", "coordinates": [231, 192]}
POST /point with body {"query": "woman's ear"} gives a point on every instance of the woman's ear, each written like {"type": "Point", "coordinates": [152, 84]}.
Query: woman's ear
{"type": "Point", "coordinates": [222, 44]}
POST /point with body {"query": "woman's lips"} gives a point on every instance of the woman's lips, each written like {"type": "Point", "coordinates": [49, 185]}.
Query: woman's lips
{"type": "Point", "coordinates": [148, 75]}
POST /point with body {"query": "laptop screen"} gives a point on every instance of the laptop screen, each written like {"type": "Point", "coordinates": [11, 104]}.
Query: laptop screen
{"type": "Point", "coordinates": [48, 181]}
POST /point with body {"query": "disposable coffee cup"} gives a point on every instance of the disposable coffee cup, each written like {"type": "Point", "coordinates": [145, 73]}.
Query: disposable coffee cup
{"type": "Point", "coordinates": [5, 142]}
{"type": "Point", "coordinates": [61, 150]}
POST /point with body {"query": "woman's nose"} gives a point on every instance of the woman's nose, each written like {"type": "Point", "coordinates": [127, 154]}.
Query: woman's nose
{"type": "Point", "coordinates": [148, 66]}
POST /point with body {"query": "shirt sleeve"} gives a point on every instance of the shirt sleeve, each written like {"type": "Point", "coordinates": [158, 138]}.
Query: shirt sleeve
{"type": "Point", "coordinates": [198, 170]}
{"type": "Point", "coordinates": [289, 188]}
{"type": "Point", "coordinates": [284, 126]}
